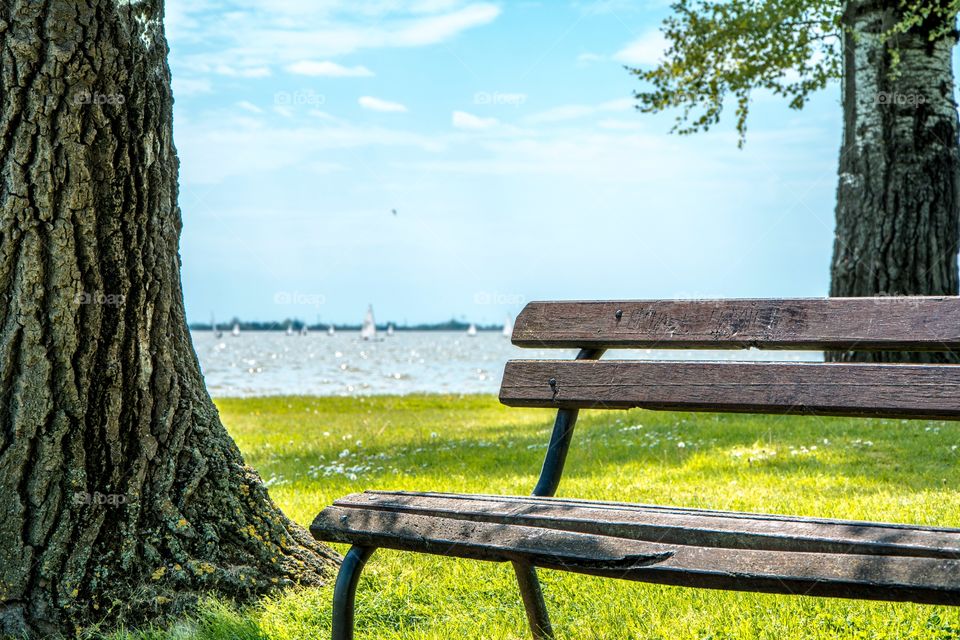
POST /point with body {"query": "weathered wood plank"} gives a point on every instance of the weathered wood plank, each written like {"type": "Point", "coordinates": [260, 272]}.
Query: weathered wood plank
{"type": "Point", "coordinates": [887, 323]}
{"type": "Point", "coordinates": [897, 578]}
{"type": "Point", "coordinates": [673, 525]}
{"type": "Point", "coordinates": [577, 502]}
{"type": "Point", "coordinates": [923, 580]}
{"type": "Point", "coordinates": [882, 390]}
{"type": "Point", "coordinates": [482, 540]}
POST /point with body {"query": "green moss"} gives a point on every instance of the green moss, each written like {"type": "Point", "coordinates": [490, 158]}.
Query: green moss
{"type": "Point", "coordinates": [888, 470]}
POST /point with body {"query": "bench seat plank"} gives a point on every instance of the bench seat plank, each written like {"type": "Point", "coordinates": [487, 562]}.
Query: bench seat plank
{"type": "Point", "coordinates": [879, 390]}
{"type": "Point", "coordinates": [482, 540]}
{"type": "Point", "coordinates": [713, 549]}
{"type": "Point", "coordinates": [672, 525]}
{"type": "Point", "coordinates": [922, 323]}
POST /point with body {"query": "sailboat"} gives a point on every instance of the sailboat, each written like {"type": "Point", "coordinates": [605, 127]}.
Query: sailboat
{"type": "Point", "coordinates": [331, 331]}
{"type": "Point", "coordinates": [472, 331]}
{"type": "Point", "coordinates": [213, 327]}
{"type": "Point", "coordinates": [369, 330]}
{"type": "Point", "coordinates": [508, 327]}
{"type": "Point", "coordinates": [390, 329]}
{"type": "Point", "coordinates": [304, 330]}
{"type": "Point", "coordinates": [236, 329]}
{"type": "Point", "coordinates": [289, 329]}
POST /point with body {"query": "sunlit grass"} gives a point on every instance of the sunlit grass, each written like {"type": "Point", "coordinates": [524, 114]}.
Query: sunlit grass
{"type": "Point", "coordinates": [313, 450]}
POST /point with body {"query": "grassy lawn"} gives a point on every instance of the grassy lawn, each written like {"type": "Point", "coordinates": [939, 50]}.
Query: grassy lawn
{"type": "Point", "coordinates": [313, 450]}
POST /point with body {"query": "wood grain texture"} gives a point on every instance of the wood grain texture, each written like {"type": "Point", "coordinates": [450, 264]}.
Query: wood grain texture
{"type": "Point", "coordinates": [673, 525]}
{"type": "Point", "coordinates": [881, 390]}
{"type": "Point", "coordinates": [482, 540]}
{"type": "Point", "coordinates": [886, 323]}
{"type": "Point", "coordinates": [497, 528]}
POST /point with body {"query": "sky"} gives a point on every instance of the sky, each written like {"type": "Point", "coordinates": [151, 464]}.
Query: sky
{"type": "Point", "coordinates": [456, 159]}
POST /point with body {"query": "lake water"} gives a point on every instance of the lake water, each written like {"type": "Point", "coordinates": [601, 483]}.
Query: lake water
{"type": "Point", "coordinates": [272, 363]}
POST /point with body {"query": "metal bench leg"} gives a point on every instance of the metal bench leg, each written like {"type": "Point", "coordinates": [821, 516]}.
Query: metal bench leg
{"type": "Point", "coordinates": [533, 602]}
{"type": "Point", "coordinates": [345, 591]}
{"type": "Point", "coordinates": [547, 484]}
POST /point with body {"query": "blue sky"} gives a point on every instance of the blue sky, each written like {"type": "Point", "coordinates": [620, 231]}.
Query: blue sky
{"type": "Point", "coordinates": [504, 136]}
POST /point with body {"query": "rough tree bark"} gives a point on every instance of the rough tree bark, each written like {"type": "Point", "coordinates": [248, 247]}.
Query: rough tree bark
{"type": "Point", "coordinates": [897, 201]}
{"type": "Point", "coordinates": [122, 497]}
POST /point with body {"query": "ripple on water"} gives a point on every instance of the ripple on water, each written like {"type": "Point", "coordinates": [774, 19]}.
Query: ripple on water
{"type": "Point", "coordinates": [257, 363]}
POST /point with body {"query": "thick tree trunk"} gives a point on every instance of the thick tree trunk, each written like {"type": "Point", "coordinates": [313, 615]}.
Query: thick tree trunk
{"type": "Point", "coordinates": [897, 203]}
{"type": "Point", "coordinates": [121, 495]}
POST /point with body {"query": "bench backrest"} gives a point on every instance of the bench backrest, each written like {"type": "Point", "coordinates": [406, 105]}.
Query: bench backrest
{"type": "Point", "coordinates": [884, 390]}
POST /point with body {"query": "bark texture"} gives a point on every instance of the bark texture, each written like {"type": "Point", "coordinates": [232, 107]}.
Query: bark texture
{"type": "Point", "coordinates": [897, 202]}
{"type": "Point", "coordinates": [122, 497]}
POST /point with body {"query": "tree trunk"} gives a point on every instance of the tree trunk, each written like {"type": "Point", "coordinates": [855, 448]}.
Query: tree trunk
{"type": "Point", "coordinates": [897, 201]}
{"type": "Point", "coordinates": [122, 497]}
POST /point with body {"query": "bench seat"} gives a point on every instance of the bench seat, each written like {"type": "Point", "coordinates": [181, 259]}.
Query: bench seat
{"type": "Point", "coordinates": [676, 546]}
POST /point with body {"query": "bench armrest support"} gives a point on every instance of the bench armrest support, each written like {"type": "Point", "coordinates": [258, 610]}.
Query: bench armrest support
{"type": "Point", "coordinates": [560, 440]}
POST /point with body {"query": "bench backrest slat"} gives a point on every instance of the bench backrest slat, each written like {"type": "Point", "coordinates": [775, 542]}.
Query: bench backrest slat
{"type": "Point", "coordinates": [882, 390]}
{"type": "Point", "coordinates": [885, 323]}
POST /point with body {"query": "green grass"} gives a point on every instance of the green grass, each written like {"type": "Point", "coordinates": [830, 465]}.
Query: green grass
{"type": "Point", "coordinates": [313, 450]}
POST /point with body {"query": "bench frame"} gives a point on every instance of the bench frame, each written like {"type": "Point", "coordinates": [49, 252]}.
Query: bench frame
{"type": "Point", "coordinates": [345, 589]}
{"type": "Point", "coordinates": [593, 327]}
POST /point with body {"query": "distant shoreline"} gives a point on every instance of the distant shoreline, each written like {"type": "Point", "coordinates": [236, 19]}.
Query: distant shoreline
{"type": "Point", "coordinates": [297, 325]}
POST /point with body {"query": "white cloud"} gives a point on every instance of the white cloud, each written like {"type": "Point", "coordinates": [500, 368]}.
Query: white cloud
{"type": "Point", "coordinates": [464, 120]}
{"type": "Point", "coordinates": [601, 7]}
{"type": "Point", "coordinates": [190, 86]}
{"type": "Point", "coordinates": [645, 51]}
{"type": "Point", "coordinates": [325, 167]}
{"type": "Point", "coordinates": [612, 124]}
{"type": "Point", "coordinates": [574, 111]}
{"type": "Point", "coordinates": [385, 106]}
{"type": "Point", "coordinates": [249, 106]}
{"type": "Point", "coordinates": [256, 35]}
{"type": "Point", "coordinates": [216, 149]}
{"type": "Point", "coordinates": [587, 58]}
{"type": "Point", "coordinates": [444, 27]}
{"type": "Point", "coordinates": [328, 69]}
{"type": "Point", "coordinates": [323, 115]}
{"type": "Point", "coordinates": [617, 155]}
{"type": "Point", "coordinates": [243, 72]}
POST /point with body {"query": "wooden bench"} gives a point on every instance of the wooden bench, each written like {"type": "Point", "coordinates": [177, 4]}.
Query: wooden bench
{"type": "Point", "coordinates": [675, 545]}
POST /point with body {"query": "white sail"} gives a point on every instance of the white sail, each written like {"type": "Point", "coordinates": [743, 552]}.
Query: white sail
{"type": "Point", "coordinates": [304, 330]}
{"type": "Point", "coordinates": [236, 329]}
{"type": "Point", "coordinates": [331, 331]}
{"type": "Point", "coordinates": [289, 329]}
{"type": "Point", "coordinates": [472, 331]}
{"type": "Point", "coordinates": [369, 330]}
{"type": "Point", "coordinates": [389, 329]}
{"type": "Point", "coordinates": [508, 327]}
